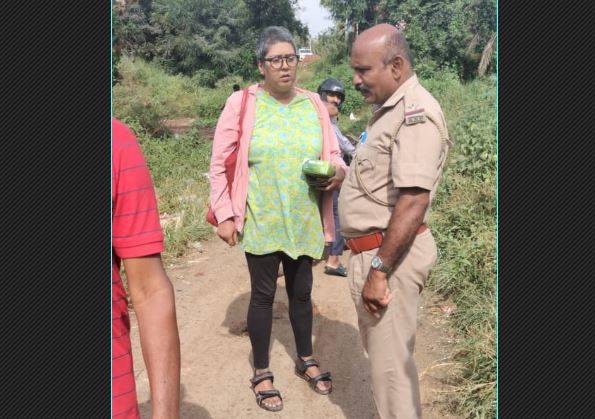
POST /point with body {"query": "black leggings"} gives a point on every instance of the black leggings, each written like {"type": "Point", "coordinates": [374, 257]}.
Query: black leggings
{"type": "Point", "coordinates": [298, 282]}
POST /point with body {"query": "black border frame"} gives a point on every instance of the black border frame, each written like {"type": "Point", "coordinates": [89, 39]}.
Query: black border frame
{"type": "Point", "coordinates": [56, 315]}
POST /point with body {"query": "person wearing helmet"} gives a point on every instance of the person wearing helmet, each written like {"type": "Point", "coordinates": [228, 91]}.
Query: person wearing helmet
{"type": "Point", "coordinates": [332, 93]}
{"type": "Point", "coordinates": [333, 88]}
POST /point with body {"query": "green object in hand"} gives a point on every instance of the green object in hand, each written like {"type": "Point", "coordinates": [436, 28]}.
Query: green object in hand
{"type": "Point", "coordinates": [321, 168]}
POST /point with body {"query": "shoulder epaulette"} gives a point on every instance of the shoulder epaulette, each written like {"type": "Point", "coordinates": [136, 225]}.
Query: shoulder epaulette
{"type": "Point", "coordinates": [414, 113]}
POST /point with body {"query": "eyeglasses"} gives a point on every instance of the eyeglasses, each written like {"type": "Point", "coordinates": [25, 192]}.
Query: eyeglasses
{"type": "Point", "coordinates": [277, 61]}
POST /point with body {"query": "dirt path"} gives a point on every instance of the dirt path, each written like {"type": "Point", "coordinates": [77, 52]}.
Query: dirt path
{"type": "Point", "coordinates": [212, 294]}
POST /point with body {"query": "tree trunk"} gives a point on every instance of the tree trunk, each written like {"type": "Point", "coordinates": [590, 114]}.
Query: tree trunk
{"type": "Point", "coordinates": [486, 56]}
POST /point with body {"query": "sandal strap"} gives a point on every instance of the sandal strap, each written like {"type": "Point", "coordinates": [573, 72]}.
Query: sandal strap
{"type": "Point", "coordinates": [325, 376]}
{"type": "Point", "coordinates": [267, 394]}
{"type": "Point", "coordinates": [303, 365]}
{"type": "Point", "coordinates": [257, 379]}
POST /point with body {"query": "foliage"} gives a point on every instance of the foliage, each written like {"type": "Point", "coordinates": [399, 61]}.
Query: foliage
{"type": "Point", "coordinates": [331, 47]}
{"type": "Point", "coordinates": [206, 38]}
{"type": "Point", "coordinates": [198, 34]}
{"type": "Point", "coordinates": [443, 34]}
{"type": "Point", "coordinates": [178, 170]}
{"type": "Point", "coordinates": [116, 51]}
{"type": "Point", "coordinates": [275, 13]}
{"type": "Point", "coordinates": [149, 95]}
{"type": "Point", "coordinates": [473, 156]}
{"type": "Point", "coordinates": [213, 39]}
{"type": "Point", "coordinates": [205, 78]}
{"type": "Point", "coordinates": [463, 222]}
{"type": "Point", "coordinates": [132, 30]}
{"type": "Point", "coordinates": [354, 16]}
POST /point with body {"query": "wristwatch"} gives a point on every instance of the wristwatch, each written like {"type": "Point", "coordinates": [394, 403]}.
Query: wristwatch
{"type": "Point", "coordinates": [379, 266]}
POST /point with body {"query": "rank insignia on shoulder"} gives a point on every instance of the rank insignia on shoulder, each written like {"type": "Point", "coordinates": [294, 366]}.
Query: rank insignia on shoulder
{"type": "Point", "coordinates": [415, 116]}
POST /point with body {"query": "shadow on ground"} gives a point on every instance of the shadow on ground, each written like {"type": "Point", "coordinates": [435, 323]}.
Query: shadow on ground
{"type": "Point", "coordinates": [187, 410]}
{"type": "Point", "coordinates": [336, 345]}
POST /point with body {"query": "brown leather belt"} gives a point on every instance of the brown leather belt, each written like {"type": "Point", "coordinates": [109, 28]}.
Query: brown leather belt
{"type": "Point", "coordinates": [372, 241]}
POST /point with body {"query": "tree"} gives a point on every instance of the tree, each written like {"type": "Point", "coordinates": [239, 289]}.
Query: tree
{"type": "Point", "coordinates": [132, 30]}
{"type": "Point", "coordinates": [208, 39]}
{"type": "Point", "coordinates": [355, 15]}
{"type": "Point", "coordinates": [445, 33]}
{"type": "Point", "coordinates": [483, 26]}
{"type": "Point", "coordinates": [275, 13]}
{"type": "Point", "coordinates": [199, 34]}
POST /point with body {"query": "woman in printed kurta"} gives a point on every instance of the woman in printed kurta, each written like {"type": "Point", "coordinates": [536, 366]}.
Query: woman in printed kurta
{"type": "Point", "coordinates": [271, 211]}
{"type": "Point", "coordinates": [282, 210]}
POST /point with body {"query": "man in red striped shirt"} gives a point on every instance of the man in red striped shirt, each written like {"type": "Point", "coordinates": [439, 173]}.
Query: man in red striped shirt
{"type": "Point", "coordinates": [137, 241]}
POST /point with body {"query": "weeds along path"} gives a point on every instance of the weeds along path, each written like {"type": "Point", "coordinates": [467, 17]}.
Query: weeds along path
{"type": "Point", "coordinates": [212, 295]}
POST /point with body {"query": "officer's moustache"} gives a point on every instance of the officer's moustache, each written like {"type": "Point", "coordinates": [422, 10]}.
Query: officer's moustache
{"type": "Point", "coordinates": [361, 88]}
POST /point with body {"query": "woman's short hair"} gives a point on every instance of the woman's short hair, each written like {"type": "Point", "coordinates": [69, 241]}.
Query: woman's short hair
{"type": "Point", "coordinates": [272, 35]}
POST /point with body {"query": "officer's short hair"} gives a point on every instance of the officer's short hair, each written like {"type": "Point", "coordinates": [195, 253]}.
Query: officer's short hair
{"type": "Point", "coordinates": [272, 35]}
{"type": "Point", "coordinates": [396, 44]}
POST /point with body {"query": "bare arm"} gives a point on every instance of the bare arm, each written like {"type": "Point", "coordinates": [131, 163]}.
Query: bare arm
{"type": "Point", "coordinates": [152, 297]}
{"type": "Point", "coordinates": [404, 222]}
{"type": "Point", "coordinates": [406, 218]}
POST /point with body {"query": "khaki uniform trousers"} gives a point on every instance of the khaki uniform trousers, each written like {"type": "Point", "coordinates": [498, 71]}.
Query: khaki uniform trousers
{"type": "Point", "coordinates": [390, 340]}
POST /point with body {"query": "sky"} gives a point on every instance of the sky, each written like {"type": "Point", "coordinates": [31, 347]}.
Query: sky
{"type": "Point", "coordinates": [314, 16]}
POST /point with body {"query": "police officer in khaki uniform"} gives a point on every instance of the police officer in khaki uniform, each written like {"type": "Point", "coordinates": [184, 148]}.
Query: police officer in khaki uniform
{"type": "Point", "coordinates": [383, 210]}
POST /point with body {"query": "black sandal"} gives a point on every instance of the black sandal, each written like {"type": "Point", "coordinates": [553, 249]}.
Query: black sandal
{"type": "Point", "coordinates": [266, 394]}
{"type": "Point", "coordinates": [338, 271]}
{"type": "Point", "coordinates": [300, 369]}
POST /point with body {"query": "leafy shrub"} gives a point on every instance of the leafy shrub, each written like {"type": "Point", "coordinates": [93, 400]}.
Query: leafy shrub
{"type": "Point", "coordinates": [470, 111]}
{"type": "Point", "coordinates": [177, 168]}
{"type": "Point", "coordinates": [464, 225]}
{"type": "Point", "coordinates": [205, 78]}
{"type": "Point", "coordinates": [150, 117]}
{"type": "Point", "coordinates": [444, 34]}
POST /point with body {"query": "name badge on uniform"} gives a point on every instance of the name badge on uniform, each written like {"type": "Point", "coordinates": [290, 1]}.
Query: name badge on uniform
{"type": "Point", "coordinates": [415, 116]}
{"type": "Point", "coordinates": [362, 137]}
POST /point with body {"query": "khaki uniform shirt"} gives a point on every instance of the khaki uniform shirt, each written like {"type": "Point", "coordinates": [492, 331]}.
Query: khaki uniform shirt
{"type": "Point", "coordinates": [412, 157]}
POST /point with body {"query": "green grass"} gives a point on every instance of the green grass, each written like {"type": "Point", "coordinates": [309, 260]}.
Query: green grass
{"type": "Point", "coordinates": [463, 213]}
{"type": "Point", "coordinates": [463, 222]}
{"type": "Point", "coordinates": [148, 95]}
{"type": "Point", "coordinates": [178, 167]}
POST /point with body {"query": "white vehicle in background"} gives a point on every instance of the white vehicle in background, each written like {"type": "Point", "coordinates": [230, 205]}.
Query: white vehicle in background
{"type": "Point", "coordinates": [303, 52]}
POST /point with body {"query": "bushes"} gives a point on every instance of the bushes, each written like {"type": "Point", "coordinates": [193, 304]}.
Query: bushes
{"type": "Point", "coordinates": [470, 111]}
{"type": "Point", "coordinates": [205, 78]}
{"type": "Point", "coordinates": [463, 222]}
{"type": "Point", "coordinates": [178, 170]}
{"type": "Point", "coordinates": [444, 35]}
{"type": "Point", "coordinates": [149, 95]}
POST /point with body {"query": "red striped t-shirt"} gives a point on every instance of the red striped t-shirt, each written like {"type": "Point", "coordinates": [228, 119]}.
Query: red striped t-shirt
{"type": "Point", "coordinates": [136, 232]}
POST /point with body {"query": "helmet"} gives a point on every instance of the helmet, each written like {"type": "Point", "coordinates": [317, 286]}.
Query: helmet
{"type": "Point", "coordinates": [332, 85]}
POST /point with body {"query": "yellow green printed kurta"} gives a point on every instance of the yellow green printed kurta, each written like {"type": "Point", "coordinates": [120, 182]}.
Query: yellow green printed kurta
{"type": "Point", "coordinates": [282, 212]}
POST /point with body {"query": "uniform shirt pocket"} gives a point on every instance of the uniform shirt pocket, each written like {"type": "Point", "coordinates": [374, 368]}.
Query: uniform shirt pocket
{"type": "Point", "coordinates": [366, 158]}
